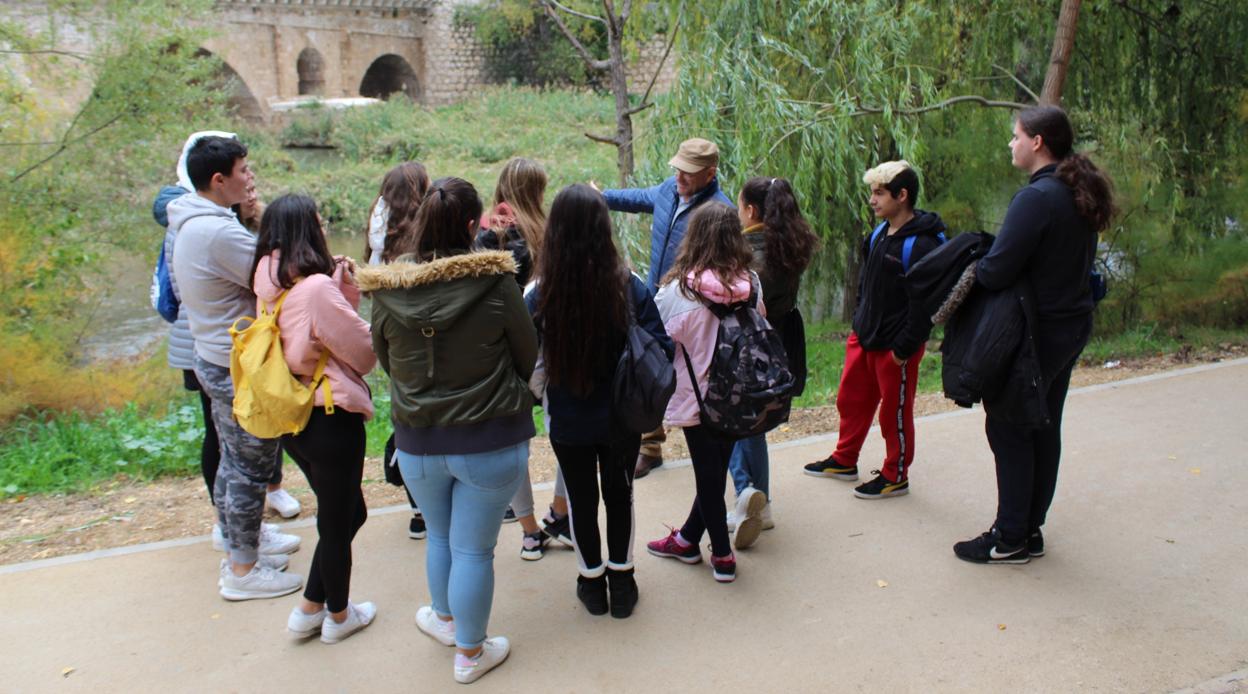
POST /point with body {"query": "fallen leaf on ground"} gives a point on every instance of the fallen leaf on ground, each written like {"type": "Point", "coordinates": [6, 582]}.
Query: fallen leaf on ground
{"type": "Point", "coordinates": [882, 584]}
{"type": "Point", "coordinates": [131, 500]}
{"type": "Point", "coordinates": [1195, 471]}
{"type": "Point", "coordinates": [216, 615]}
{"type": "Point", "coordinates": [1174, 457]}
{"type": "Point", "coordinates": [1000, 627]}
{"type": "Point", "coordinates": [65, 671]}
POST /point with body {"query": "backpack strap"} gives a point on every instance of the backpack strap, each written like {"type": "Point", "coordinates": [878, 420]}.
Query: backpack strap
{"type": "Point", "coordinates": [318, 379]}
{"type": "Point", "coordinates": [693, 381]}
{"type": "Point", "coordinates": [907, 249]}
{"type": "Point", "coordinates": [876, 235]}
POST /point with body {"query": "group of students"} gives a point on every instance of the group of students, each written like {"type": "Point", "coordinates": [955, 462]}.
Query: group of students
{"type": "Point", "coordinates": [479, 314]}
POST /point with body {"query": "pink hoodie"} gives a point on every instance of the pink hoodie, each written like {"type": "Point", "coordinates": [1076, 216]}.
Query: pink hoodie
{"type": "Point", "coordinates": [694, 329]}
{"type": "Point", "coordinates": [320, 313]}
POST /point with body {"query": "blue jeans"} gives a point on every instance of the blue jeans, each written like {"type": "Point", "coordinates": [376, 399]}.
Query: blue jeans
{"type": "Point", "coordinates": [750, 465]}
{"type": "Point", "coordinates": [463, 498]}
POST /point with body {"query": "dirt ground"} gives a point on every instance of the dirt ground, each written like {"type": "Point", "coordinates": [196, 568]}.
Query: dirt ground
{"type": "Point", "coordinates": [123, 513]}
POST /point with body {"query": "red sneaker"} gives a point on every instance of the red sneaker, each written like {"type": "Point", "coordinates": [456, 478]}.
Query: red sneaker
{"type": "Point", "coordinates": [724, 568]}
{"type": "Point", "coordinates": [670, 547]}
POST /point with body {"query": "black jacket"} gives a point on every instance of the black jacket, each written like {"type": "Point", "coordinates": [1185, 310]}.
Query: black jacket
{"type": "Point", "coordinates": [1045, 241]}
{"type": "Point", "coordinates": [989, 351]}
{"type": "Point", "coordinates": [488, 239]}
{"type": "Point", "coordinates": [883, 319]}
{"type": "Point", "coordinates": [587, 420]}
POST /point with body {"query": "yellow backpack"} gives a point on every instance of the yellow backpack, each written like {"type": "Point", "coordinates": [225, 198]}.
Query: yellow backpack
{"type": "Point", "coordinates": [268, 400]}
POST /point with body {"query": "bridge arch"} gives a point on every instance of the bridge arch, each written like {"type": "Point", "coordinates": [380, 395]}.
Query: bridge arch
{"type": "Point", "coordinates": [311, 68]}
{"type": "Point", "coordinates": [241, 100]}
{"type": "Point", "coordinates": [388, 75]}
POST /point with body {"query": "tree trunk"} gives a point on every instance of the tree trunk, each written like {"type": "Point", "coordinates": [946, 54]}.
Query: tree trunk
{"type": "Point", "coordinates": [619, 88]}
{"type": "Point", "coordinates": [1059, 59]}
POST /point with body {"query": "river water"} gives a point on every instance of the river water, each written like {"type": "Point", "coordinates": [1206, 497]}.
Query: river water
{"type": "Point", "coordinates": [117, 318]}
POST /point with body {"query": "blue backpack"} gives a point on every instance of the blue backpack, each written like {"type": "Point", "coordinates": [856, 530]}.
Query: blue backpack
{"type": "Point", "coordinates": [907, 246]}
{"type": "Point", "coordinates": [163, 299]}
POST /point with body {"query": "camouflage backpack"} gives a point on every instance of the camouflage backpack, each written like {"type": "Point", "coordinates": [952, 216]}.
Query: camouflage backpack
{"type": "Point", "coordinates": [749, 388]}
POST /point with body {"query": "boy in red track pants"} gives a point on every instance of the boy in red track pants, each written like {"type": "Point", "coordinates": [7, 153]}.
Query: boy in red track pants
{"type": "Point", "coordinates": [883, 352]}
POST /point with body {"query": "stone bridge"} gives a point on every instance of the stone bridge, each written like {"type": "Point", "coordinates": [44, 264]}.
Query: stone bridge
{"type": "Point", "coordinates": [282, 49]}
{"type": "Point", "coordinates": [276, 50]}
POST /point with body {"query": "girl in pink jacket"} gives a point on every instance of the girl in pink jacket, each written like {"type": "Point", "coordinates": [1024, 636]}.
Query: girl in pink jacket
{"type": "Point", "coordinates": [318, 315]}
{"type": "Point", "coordinates": [712, 266]}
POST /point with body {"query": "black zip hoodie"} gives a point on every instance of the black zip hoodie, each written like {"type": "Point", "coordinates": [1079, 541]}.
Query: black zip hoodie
{"type": "Point", "coordinates": [883, 319]}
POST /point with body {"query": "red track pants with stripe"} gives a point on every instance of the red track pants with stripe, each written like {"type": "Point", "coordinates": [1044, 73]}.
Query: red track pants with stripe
{"type": "Point", "coordinates": [871, 379]}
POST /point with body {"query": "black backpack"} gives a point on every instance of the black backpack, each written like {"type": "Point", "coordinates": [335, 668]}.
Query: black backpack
{"type": "Point", "coordinates": [749, 388]}
{"type": "Point", "coordinates": [644, 380]}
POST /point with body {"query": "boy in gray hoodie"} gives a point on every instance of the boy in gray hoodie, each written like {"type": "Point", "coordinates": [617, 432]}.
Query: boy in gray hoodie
{"type": "Point", "coordinates": [212, 261]}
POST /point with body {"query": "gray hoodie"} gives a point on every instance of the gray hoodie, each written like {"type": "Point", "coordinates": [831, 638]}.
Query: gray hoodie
{"type": "Point", "coordinates": [212, 258]}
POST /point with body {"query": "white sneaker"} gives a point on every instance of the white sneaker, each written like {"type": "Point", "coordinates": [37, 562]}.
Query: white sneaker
{"type": "Point", "coordinates": [259, 583]}
{"type": "Point", "coordinates": [358, 617]}
{"type": "Point", "coordinates": [301, 625]}
{"type": "Point", "coordinates": [493, 652]}
{"type": "Point", "coordinates": [273, 541]}
{"type": "Point", "coordinates": [277, 562]}
{"type": "Point", "coordinates": [441, 631]}
{"type": "Point", "coordinates": [218, 539]}
{"type": "Point", "coordinates": [281, 501]}
{"type": "Point", "coordinates": [768, 523]}
{"type": "Point", "coordinates": [748, 512]}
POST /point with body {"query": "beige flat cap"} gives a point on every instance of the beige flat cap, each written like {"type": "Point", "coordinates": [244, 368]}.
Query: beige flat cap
{"type": "Point", "coordinates": [695, 155]}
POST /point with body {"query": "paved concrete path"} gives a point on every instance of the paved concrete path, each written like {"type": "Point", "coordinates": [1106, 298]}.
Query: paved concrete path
{"type": "Point", "coordinates": [1145, 587]}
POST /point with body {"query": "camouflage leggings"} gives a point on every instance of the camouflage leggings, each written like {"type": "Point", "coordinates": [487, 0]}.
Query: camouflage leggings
{"type": "Point", "coordinates": [246, 467]}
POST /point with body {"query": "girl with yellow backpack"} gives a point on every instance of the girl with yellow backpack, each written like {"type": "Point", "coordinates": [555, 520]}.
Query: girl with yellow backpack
{"type": "Point", "coordinates": [327, 346]}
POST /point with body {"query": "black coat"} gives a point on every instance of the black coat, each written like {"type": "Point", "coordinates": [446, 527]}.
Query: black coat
{"type": "Point", "coordinates": [989, 350]}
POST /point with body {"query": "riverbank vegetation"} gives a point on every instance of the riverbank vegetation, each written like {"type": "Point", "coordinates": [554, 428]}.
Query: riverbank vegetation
{"type": "Point", "coordinates": [1160, 101]}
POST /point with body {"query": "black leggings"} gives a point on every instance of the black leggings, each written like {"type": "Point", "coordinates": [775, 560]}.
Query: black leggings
{"type": "Point", "coordinates": [1027, 459]}
{"type": "Point", "coordinates": [210, 449]}
{"type": "Point", "coordinates": [710, 452]}
{"type": "Point", "coordinates": [330, 451]}
{"type": "Point", "coordinates": [615, 462]}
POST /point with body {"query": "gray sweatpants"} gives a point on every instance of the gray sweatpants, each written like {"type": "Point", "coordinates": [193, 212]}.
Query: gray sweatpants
{"type": "Point", "coordinates": [246, 467]}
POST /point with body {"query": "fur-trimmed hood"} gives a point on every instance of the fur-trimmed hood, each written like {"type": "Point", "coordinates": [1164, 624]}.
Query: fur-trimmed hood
{"type": "Point", "coordinates": [436, 293]}
{"type": "Point", "coordinates": [404, 272]}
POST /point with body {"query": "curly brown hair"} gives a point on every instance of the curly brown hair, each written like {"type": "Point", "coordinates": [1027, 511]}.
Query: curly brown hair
{"type": "Point", "coordinates": [712, 242]}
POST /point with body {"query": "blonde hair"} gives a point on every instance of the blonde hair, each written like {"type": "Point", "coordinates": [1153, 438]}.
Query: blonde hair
{"type": "Point", "coordinates": [522, 185]}
{"type": "Point", "coordinates": [884, 174]}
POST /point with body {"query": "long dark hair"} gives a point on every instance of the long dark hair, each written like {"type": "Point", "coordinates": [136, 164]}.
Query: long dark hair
{"type": "Point", "coordinates": [291, 226]}
{"type": "Point", "coordinates": [1093, 190]}
{"type": "Point", "coordinates": [445, 223]}
{"type": "Point", "coordinates": [788, 241]}
{"type": "Point", "coordinates": [583, 302]}
{"type": "Point", "coordinates": [403, 188]}
{"type": "Point", "coordinates": [712, 242]}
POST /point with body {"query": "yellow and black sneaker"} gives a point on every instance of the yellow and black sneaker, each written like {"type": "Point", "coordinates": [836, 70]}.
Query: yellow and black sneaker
{"type": "Point", "coordinates": [828, 467]}
{"type": "Point", "coordinates": [881, 488]}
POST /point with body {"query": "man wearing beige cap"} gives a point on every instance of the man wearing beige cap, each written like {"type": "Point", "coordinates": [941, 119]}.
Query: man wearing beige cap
{"type": "Point", "coordinates": [671, 203]}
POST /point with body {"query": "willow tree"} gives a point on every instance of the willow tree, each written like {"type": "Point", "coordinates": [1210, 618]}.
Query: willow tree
{"type": "Point", "coordinates": [816, 92]}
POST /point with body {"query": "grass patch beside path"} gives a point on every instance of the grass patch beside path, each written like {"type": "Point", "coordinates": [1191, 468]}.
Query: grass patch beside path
{"type": "Point", "coordinates": [76, 453]}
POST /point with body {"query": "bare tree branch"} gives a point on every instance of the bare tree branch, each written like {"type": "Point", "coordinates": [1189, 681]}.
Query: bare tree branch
{"type": "Point", "coordinates": [671, 40]}
{"type": "Point", "coordinates": [48, 51]}
{"type": "Point", "coordinates": [638, 109]}
{"type": "Point", "coordinates": [604, 140]}
{"type": "Point", "coordinates": [593, 63]}
{"type": "Point", "coordinates": [829, 114]}
{"type": "Point", "coordinates": [971, 98]}
{"type": "Point", "coordinates": [66, 144]}
{"type": "Point", "coordinates": [1022, 85]}
{"type": "Point", "coordinates": [574, 13]}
